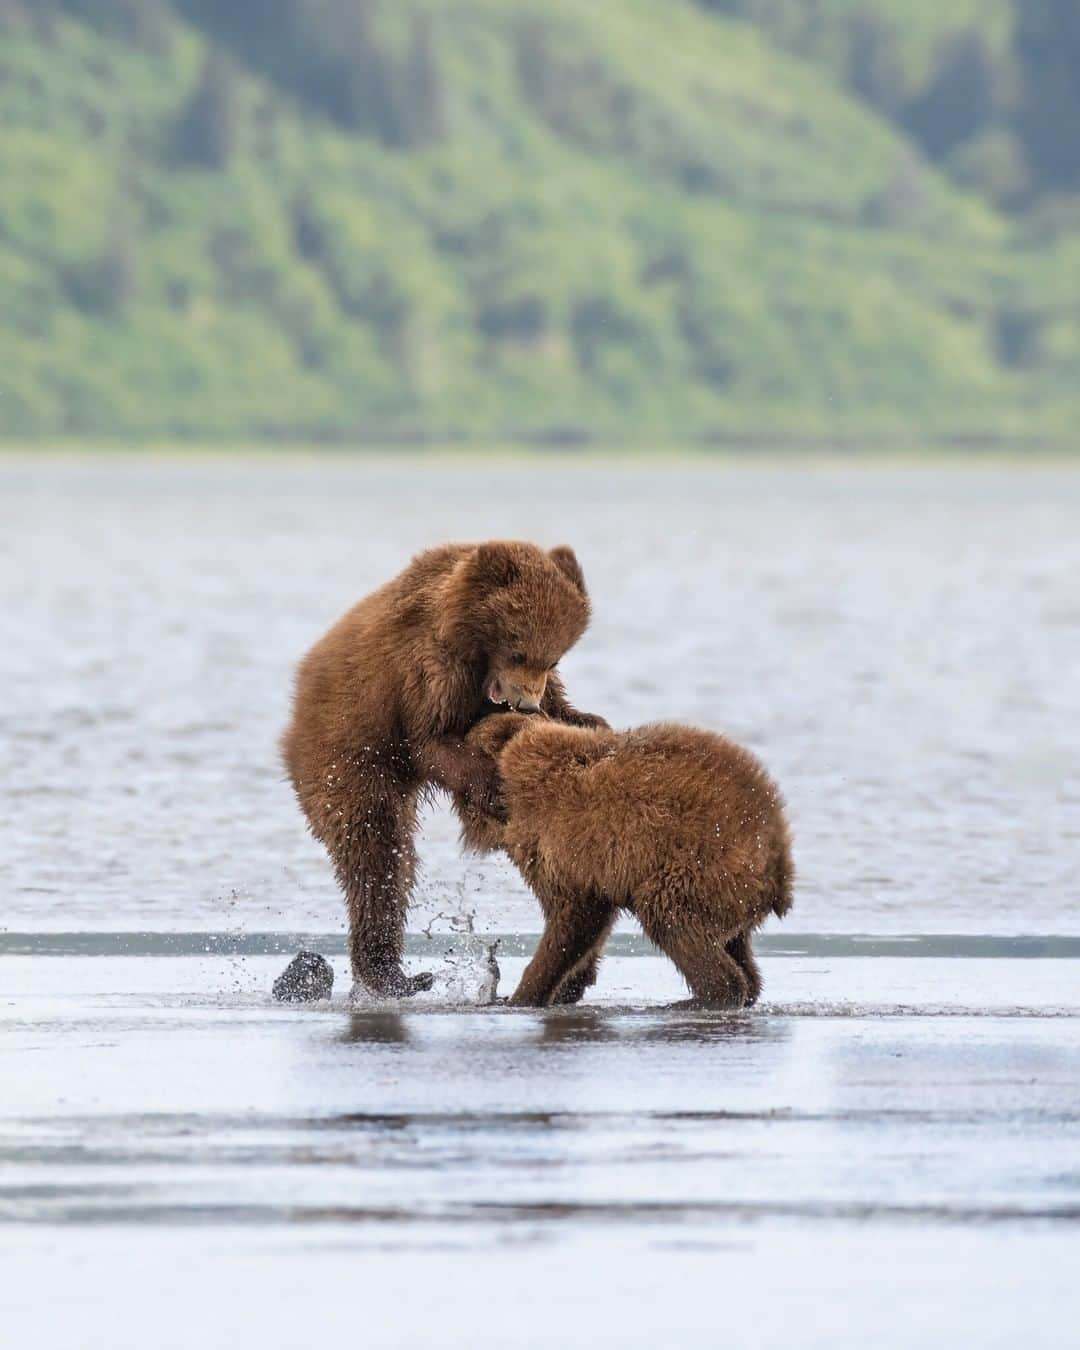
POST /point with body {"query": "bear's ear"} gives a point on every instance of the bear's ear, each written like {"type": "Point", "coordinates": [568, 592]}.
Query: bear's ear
{"type": "Point", "coordinates": [566, 561]}
{"type": "Point", "coordinates": [494, 565]}
{"type": "Point", "coordinates": [494, 732]}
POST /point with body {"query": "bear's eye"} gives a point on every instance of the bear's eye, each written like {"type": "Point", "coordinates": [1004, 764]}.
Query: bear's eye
{"type": "Point", "coordinates": [518, 659]}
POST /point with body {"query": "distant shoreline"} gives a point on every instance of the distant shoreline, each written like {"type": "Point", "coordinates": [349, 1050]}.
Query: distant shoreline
{"type": "Point", "coordinates": [848, 450]}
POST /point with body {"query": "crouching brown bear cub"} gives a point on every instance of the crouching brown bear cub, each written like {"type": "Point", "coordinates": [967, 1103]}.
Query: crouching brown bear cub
{"type": "Point", "coordinates": [680, 827]}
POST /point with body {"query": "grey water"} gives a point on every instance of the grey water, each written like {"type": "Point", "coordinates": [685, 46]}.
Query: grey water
{"type": "Point", "coordinates": [885, 1149]}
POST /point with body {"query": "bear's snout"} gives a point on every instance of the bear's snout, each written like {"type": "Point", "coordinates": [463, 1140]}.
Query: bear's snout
{"type": "Point", "coordinates": [519, 692]}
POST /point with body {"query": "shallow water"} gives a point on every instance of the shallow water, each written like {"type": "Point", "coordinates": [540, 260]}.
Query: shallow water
{"type": "Point", "coordinates": [900, 644]}
{"type": "Point", "coordinates": [884, 1152]}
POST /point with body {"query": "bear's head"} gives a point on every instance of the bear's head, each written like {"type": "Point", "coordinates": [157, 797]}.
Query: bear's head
{"type": "Point", "coordinates": [494, 732]}
{"type": "Point", "coordinates": [539, 761]}
{"type": "Point", "coordinates": [480, 832]}
{"type": "Point", "coordinates": [512, 611]}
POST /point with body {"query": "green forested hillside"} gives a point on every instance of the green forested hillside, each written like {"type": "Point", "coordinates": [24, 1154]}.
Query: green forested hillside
{"type": "Point", "coordinates": [655, 220]}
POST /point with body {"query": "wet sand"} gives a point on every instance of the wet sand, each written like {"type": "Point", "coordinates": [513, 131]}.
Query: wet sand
{"type": "Point", "coordinates": [884, 1151]}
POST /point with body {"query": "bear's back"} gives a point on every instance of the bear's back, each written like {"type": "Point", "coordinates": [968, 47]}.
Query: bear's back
{"type": "Point", "coordinates": [695, 777]}
{"type": "Point", "coordinates": [610, 811]}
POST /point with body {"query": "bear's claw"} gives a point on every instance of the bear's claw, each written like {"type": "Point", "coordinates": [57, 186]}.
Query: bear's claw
{"type": "Point", "coordinates": [392, 984]}
{"type": "Point", "coordinates": [404, 986]}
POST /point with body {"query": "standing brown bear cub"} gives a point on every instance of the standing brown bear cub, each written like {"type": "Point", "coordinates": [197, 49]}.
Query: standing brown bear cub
{"type": "Point", "coordinates": [681, 827]}
{"type": "Point", "coordinates": [383, 703]}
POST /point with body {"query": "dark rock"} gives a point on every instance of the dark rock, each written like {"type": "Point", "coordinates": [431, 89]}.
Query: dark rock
{"type": "Point", "coordinates": [307, 978]}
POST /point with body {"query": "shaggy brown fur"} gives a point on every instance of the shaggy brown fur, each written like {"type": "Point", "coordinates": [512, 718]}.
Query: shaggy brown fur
{"type": "Point", "coordinates": [681, 827]}
{"type": "Point", "coordinates": [383, 702]}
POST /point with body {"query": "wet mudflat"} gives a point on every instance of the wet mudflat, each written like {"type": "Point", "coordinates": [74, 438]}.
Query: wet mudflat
{"type": "Point", "coordinates": [887, 1149]}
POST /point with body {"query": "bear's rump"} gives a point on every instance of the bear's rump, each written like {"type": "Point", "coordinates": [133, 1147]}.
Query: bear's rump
{"type": "Point", "coordinates": [636, 865]}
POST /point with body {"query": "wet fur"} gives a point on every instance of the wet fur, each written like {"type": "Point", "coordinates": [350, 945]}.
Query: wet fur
{"type": "Point", "coordinates": [382, 704]}
{"type": "Point", "coordinates": [680, 827]}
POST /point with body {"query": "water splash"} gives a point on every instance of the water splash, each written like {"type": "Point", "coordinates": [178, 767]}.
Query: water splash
{"type": "Point", "coordinates": [470, 971]}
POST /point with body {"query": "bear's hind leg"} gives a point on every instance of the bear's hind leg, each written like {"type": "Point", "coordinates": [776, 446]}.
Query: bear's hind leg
{"type": "Point", "coordinates": [741, 951]}
{"type": "Point", "coordinates": [575, 923]}
{"type": "Point", "coordinates": [715, 980]}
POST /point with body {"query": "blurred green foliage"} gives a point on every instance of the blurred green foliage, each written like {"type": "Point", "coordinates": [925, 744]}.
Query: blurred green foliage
{"type": "Point", "coordinates": [546, 220]}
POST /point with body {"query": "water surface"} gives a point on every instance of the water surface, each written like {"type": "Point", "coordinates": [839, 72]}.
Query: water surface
{"type": "Point", "coordinates": [883, 1153]}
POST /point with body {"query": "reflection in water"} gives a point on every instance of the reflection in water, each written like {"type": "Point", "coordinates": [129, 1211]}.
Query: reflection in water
{"type": "Point", "coordinates": [594, 1026]}
{"type": "Point", "coordinates": [687, 1028]}
{"type": "Point", "coordinates": [561, 1026]}
{"type": "Point", "coordinates": [376, 1028]}
{"type": "Point", "coordinates": [583, 1026]}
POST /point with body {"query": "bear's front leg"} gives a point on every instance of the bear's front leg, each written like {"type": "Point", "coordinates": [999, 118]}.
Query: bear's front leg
{"type": "Point", "coordinates": [371, 844]}
{"type": "Point", "coordinates": [466, 770]}
{"type": "Point", "coordinates": [583, 976]}
{"type": "Point", "coordinates": [574, 925]}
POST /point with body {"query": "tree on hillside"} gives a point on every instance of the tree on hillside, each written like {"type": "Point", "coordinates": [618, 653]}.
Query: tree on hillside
{"type": "Point", "coordinates": [207, 127]}
{"type": "Point", "coordinates": [962, 99]}
{"type": "Point", "coordinates": [995, 166]}
{"type": "Point", "coordinates": [1047, 48]}
{"type": "Point", "coordinates": [351, 77]}
{"type": "Point", "coordinates": [331, 54]}
{"type": "Point", "coordinates": [309, 233]}
{"type": "Point", "coordinates": [423, 86]}
{"type": "Point", "coordinates": [12, 15]}
{"type": "Point", "coordinates": [106, 283]}
{"type": "Point", "coordinates": [901, 203]}
{"type": "Point", "coordinates": [535, 68]}
{"type": "Point", "coordinates": [142, 22]}
{"type": "Point", "coordinates": [119, 263]}
{"type": "Point", "coordinates": [874, 71]}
